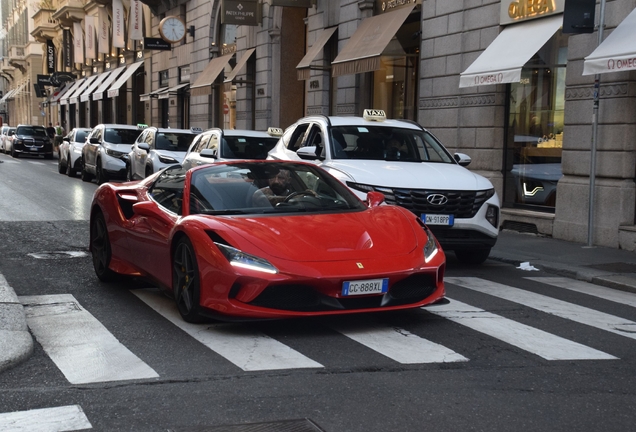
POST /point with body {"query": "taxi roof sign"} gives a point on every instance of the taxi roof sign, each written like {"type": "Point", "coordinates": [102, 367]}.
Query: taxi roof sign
{"type": "Point", "coordinates": [374, 115]}
{"type": "Point", "coordinates": [141, 126]}
{"type": "Point", "coordinates": [274, 131]}
{"type": "Point", "coordinates": [196, 129]}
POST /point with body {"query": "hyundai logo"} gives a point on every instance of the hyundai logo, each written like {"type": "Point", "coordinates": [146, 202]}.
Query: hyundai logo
{"type": "Point", "coordinates": [437, 199]}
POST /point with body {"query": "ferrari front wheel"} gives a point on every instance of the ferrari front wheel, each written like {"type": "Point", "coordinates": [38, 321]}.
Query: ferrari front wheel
{"type": "Point", "coordinates": [100, 249]}
{"type": "Point", "coordinates": [185, 281]}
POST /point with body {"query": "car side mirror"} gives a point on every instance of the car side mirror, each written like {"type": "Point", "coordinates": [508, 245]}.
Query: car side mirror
{"type": "Point", "coordinates": [67, 139]}
{"type": "Point", "coordinates": [307, 153]}
{"type": "Point", "coordinates": [374, 199]}
{"type": "Point", "coordinates": [94, 140]}
{"type": "Point", "coordinates": [208, 153]}
{"type": "Point", "coordinates": [144, 146]}
{"type": "Point", "coordinates": [462, 159]}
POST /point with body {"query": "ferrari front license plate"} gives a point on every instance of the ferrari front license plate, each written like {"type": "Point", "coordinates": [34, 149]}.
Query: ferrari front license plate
{"type": "Point", "coordinates": [438, 219]}
{"type": "Point", "coordinates": [369, 286]}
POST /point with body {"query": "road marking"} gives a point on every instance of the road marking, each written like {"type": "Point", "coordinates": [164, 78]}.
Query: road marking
{"type": "Point", "coordinates": [36, 162]}
{"type": "Point", "coordinates": [398, 344]}
{"type": "Point", "coordinates": [613, 295]}
{"type": "Point", "coordinates": [65, 418]}
{"type": "Point", "coordinates": [81, 347]}
{"type": "Point", "coordinates": [249, 350]}
{"type": "Point", "coordinates": [543, 344]}
{"type": "Point", "coordinates": [580, 314]}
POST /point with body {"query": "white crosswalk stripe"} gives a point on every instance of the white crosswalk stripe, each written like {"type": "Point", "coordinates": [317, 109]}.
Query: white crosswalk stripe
{"type": "Point", "coordinates": [610, 294]}
{"type": "Point", "coordinates": [36, 162]}
{"type": "Point", "coordinates": [81, 347]}
{"type": "Point", "coordinates": [65, 418]}
{"type": "Point", "coordinates": [248, 349]}
{"type": "Point", "coordinates": [530, 339]}
{"type": "Point", "coordinates": [580, 314]}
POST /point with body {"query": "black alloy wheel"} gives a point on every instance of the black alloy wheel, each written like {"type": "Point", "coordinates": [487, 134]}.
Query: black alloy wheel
{"type": "Point", "coordinates": [86, 176]}
{"type": "Point", "coordinates": [149, 171]}
{"type": "Point", "coordinates": [100, 249]}
{"type": "Point", "coordinates": [185, 281]}
{"type": "Point", "coordinates": [70, 170]}
{"type": "Point", "coordinates": [129, 176]}
{"type": "Point", "coordinates": [14, 154]}
{"type": "Point", "coordinates": [60, 168]}
{"type": "Point", "coordinates": [100, 174]}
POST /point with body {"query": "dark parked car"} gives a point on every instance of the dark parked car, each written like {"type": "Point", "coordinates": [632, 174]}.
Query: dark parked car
{"type": "Point", "coordinates": [31, 140]}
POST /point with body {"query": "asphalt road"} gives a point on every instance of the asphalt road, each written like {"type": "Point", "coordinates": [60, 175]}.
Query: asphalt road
{"type": "Point", "coordinates": [523, 355]}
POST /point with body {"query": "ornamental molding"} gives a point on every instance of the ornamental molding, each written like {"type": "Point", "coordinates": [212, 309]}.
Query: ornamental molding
{"type": "Point", "coordinates": [317, 110]}
{"type": "Point", "coordinates": [262, 114]}
{"type": "Point", "coordinates": [458, 101]}
{"type": "Point", "coordinates": [614, 90]}
{"type": "Point", "coordinates": [435, 103]}
{"type": "Point", "coordinates": [348, 109]}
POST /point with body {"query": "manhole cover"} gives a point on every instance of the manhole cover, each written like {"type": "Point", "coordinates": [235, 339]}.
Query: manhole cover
{"type": "Point", "coordinates": [59, 255]}
{"type": "Point", "coordinates": [301, 425]}
{"type": "Point", "coordinates": [615, 267]}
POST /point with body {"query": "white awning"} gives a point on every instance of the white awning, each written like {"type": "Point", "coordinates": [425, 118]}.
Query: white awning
{"type": "Point", "coordinates": [172, 91]}
{"type": "Point", "coordinates": [69, 93]}
{"type": "Point", "coordinates": [502, 61]}
{"type": "Point", "coordinates": [303, 68]}
{"type": "Point", "coordinates": [99, 93]}
{"type": "Point", "coordinates": [113, 91]}
{"type": "Point", "coordinates": [203, 84]}
{"type": "Point", "coordinates": [56, 96]}
{"type": "Point", "coordinates": [147, 96]}
{"type": "Point", "coordinates": [86, 94]}
{"type": "Point", "coordinates": [617, 52]}
{"type": "Point", "coordinates": [7, 95]}
{"type": "Point", "coordinates": [17, 91]}
{"type": "Point", "coordinates": [74, 98]}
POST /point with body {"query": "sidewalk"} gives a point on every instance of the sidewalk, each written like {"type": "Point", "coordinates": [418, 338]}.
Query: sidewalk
{"type": "Point", "coordinates": [608, 267]}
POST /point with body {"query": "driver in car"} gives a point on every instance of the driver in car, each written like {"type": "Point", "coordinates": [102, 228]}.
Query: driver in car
{"type": "Point", "coordinates": [276, 192]}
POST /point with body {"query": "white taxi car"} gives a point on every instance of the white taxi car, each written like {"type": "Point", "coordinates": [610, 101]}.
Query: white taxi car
{"type": "Point", "coordinates": [410, 167]}
{"type": "Point", "coordinates": [217, 145]}
{"type": "Point", "coordinates": [157, 148]}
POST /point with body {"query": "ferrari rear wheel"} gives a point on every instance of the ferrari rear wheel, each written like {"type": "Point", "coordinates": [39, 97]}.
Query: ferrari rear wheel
{"type": "Point", "coordinates": [100, 249]}
{"type": "Point", "coordinates": [185, 281]}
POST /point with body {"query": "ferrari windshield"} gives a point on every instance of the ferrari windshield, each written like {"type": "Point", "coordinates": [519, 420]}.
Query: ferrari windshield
{"type": "Point", "coordinates": [268, 187]}
{"type": "Point", "coordinates": [386, 143]}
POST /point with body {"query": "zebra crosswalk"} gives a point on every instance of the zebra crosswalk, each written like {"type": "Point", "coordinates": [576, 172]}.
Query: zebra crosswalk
{"type": "Point", "coordinates": [86, 352]}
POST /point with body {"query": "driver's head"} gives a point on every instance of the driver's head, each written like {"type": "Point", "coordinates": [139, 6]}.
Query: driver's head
{"type": "Point", "coordinates": [279, 184]}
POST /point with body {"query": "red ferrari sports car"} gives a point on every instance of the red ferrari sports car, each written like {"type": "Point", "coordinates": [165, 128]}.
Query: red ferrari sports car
{"type": "Point", "coordinates": [263, 240]}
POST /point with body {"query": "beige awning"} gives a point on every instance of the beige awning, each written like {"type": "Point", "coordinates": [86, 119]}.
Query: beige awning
{"type": "Point", "coordinates": [113, 91]}
{"type": "Point", "coordinates": [304, 67]}
{"type": "Point", "coordinates": [364, 48]}
{"type": "Point", "coordinates": [203, 84]}
{"type": "Point", "coordinates": [153, 94]}
{"type": "Point", "coordinates": [239, 65]}
{"type": "Point", "coordinates": [172, 91]}
{"type": "Point", "coordinates": [617, 53]}
{"type": "Point", "coordinates": [86, 95]}
{"type": "Point", "coordinates": [99, 93]}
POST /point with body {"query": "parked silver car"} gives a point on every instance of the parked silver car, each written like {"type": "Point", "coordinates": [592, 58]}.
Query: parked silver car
{"type": "Point", "coordinates": [69, 160]}
{"type": "Point", "coordinates": [106, 151]}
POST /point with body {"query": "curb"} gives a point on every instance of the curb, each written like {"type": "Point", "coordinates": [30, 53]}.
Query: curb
{"type": "Point", "coordinates": [16, 343]}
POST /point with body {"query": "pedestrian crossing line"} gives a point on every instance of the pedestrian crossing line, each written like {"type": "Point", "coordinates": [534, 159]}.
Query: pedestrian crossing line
{"type": "Point", "coordinates": [80, 346]}
{"type": "Point", "coordinates": [535, 341]}
{"type": "Point", "coordinates": [398, 344]}
{"type": "Point", "coordinates": [560, 308]}
{"type": "Point", "coordinates": [612, 295]}
{"type": "Point", "coordinates": [248, 349]}
{"type": "Point", "coordinates": [65, 418]}
{"type": "Point", "coordinates": [36, 162]}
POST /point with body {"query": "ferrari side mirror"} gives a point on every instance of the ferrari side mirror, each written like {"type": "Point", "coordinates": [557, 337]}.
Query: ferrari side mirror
{"type": "Point", "coordinates": [374, 199]}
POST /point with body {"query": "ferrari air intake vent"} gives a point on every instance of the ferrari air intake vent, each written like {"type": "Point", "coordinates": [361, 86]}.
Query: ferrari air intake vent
{"type": "Point", "coordinates": [413, 289]}
{"type": "Point", "coordinates": [289, 297]}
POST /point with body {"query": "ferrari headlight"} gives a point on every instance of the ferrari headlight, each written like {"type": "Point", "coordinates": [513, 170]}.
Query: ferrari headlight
{"type": "Point", "coordinates": [430, 249]}
{"type": "Point", "coordinates": [238, 258]}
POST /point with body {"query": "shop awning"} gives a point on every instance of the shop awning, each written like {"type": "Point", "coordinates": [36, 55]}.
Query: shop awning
{"type": "Point", "coordinates": [74, 98]}
{"type": "Point", "coordinates": [203, 84]}
{"type": "Point", "coordinates": [17, 91]}
{"type": "Point", "coordinates": [113, 91]}
{"type": "Point", "coordinates": [363, 50]}
{"type": "Point", "coordinates": [152, 94]}
{"type": "Point", "coordinates": [71, 91]}
{"type": "Point", "coordinates": [239, 65]}
{"type": "Point", "coordinates": [88, 91]}
{"type": "Point", "coordinates": [7, 96]}
{"type": "Point", "coordinates": [502, 61]}
{"type": "Point", "coordinates": [617, 52]}
{"type": "Point", "coordinates": [304, 67]}
{"type": "Point", "coordinates": [99, 93]}
{"type": "Point", "coordinates": [56, 97]}
{"type": "Point", "coordinates": [172, 91]}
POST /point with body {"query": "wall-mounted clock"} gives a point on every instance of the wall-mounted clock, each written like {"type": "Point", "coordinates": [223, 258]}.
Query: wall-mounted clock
{"type": "Point", "coordinates": [172, 29]}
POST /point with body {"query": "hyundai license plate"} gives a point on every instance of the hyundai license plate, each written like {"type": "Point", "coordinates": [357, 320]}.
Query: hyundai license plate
{"type": "Point", "coordinates": [362, 287]}
{"type": "Point", "coordinates": [438, 219]}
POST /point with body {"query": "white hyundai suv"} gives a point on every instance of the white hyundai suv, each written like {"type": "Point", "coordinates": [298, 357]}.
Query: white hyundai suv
{"type": "Point", "coordinates": [410, 167]}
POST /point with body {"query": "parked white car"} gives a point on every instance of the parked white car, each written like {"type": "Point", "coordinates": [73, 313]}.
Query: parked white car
{"type": "Point", "coordinates": [157, 148]}
{"type": "Point", "coordinates": [106, 151]}
{"type": "Point", "coordinates": [410, 167]}
{"type": "Point", "coordinates": [6, 138]}
{"type": "Point", "coordinates": [69, 160]}
{"type": "Point", "coordinates": [217, 145]}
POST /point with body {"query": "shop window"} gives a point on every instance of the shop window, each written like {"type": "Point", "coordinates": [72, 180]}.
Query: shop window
{"type": "Point", "coordinates": [534, 139]}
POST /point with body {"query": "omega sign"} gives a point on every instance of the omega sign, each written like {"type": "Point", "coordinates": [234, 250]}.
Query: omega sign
{"type": "Point", "coordinates": [520, 10]}
{"type": "Point", "coordinates": [621, 64]}
{"type": "Point", "coordinates": [489, 79]}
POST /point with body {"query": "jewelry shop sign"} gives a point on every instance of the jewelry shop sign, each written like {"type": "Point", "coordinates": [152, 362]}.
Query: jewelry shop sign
{"type": "Point", "coordinates": [241, 12]}
{"type": "Point", "coordinates": [513, 11]}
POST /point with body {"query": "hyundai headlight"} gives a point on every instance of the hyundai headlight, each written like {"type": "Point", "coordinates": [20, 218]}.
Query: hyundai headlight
{"type": "Point", "coordinates": [167, 160]}
{"type": "Point", "coordinates": [241, 259]}
{"type": "Point", "coordinates": [360, 187]}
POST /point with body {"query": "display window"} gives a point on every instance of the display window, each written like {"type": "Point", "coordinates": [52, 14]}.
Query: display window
{"type": "Point", "coordinates": [534, 138]}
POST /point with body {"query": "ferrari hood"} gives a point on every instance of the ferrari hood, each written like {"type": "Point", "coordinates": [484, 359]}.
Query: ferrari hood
{"type": "Point", "coordinates": [410, 175]}
{"type": "Point", "coordinates": [380, 232]}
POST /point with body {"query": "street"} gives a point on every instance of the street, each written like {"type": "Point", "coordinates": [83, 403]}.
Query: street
{"type": "Point", "coordinates": [514, 350]}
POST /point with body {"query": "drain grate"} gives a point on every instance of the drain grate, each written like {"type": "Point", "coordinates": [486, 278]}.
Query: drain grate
{"type": "Point", "coordinates": [58, 255]}
{"type": "Point", "coordinates": [300, 425]}
{"type": "Point", "coordinates": [618, 267]}
{"type": "Point", "coordinates": [523, 227]}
